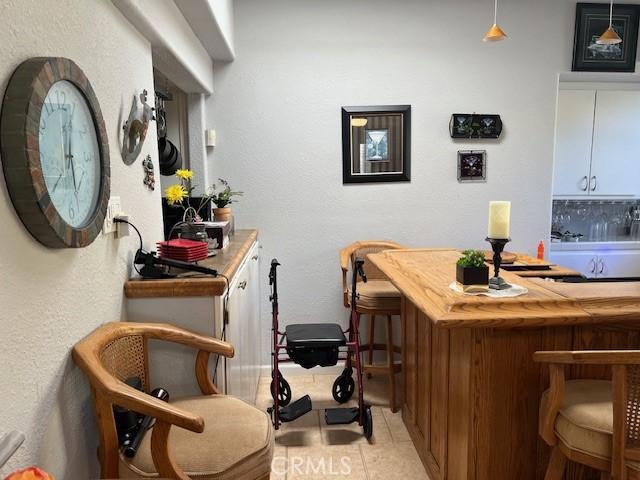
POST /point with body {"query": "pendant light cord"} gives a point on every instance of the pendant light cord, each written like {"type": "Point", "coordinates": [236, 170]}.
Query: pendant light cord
{"type": "Point", "coordinates": [610, 14]}
{"type": "Point", "coordinates": [495, 13]}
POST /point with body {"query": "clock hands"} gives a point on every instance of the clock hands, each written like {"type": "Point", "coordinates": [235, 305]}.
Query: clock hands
{"type": "Point", "coordinates": [70, 155]}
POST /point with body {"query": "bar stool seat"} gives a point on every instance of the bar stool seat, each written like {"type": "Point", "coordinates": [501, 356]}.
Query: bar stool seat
{"type": "Point", "coordinates": [376, 297]}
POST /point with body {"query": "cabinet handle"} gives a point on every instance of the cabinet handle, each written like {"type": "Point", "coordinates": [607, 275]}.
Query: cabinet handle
{"type": "Point", "coordinates": [601, 266]}
{"type": "Point", "coordinates": [593, 262]}
{"type": "Point", "coordinates": [585, 183]}
{"type": "Point", "coordinates": [242, 284]}
{"type": "Point", "coordinates": [594, 180]}
{"type": "Point", "coordinates": [255, 257]}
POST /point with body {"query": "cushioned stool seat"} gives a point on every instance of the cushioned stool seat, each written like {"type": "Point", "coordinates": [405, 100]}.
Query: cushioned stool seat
{"type": "Point", "coordinates": [585, 420]}
{"type": "Point", "coordinates": [377, 295]}
{"type": "Point", "coordinates": [241, 434]}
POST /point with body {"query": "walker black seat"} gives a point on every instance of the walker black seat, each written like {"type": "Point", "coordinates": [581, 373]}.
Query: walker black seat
{"type": "Point", "coordinates": [314, 344]}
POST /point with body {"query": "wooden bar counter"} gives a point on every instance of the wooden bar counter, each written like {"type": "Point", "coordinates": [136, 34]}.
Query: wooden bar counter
{"type": "Point", "coordinates": [471, 388]}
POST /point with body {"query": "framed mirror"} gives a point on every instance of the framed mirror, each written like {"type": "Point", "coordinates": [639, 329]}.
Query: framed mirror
{"type": "Point", "coordinates": [376, 144]}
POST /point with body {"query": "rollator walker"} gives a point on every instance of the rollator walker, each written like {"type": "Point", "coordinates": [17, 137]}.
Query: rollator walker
{"type": "Point", "coordinates": [318, 344]}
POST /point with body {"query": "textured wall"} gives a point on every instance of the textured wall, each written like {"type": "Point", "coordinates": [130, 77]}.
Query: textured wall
{"type": "Point", "coordinates": [50, 299]}
{"type": "Point", "coordinates": [277, 113]}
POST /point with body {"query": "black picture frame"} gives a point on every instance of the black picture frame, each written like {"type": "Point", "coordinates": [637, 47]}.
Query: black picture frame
{"type": "Point", "coordinates": [472, 166]}
{"type": "Point", "coordinates": [474, 125]}
{"type": "Point", "coordinates": [592, 19]}
{"type": "Point", "coordinates": [399, 135]}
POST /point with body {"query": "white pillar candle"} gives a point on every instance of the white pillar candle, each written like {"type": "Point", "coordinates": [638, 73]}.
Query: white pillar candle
{"type": "Point", "coordinates": [499, 215]}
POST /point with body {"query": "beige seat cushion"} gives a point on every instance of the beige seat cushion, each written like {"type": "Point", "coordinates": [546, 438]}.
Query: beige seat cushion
{"type": "Point", "coordinates": [585, 420]}
{"type": "Point", "coordinates": [378, 295]}
{"type": "Point", "coordinates": [237, 442]}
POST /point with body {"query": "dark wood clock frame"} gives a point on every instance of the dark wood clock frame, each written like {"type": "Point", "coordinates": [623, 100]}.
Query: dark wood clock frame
{"type": "Point", "coordinates": [20, 149]}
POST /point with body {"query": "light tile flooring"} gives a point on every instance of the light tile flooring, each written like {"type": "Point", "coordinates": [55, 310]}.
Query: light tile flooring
{"type": "Point", "coordinates": [309, 449]}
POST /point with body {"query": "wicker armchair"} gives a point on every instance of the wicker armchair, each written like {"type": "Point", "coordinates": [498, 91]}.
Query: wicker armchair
{"type": "Point", "coordinates": [376, 297]}
{"type": "Point", "coordinates": [593, 422]}
{"type": "Point", "coordinates": [218, 436]}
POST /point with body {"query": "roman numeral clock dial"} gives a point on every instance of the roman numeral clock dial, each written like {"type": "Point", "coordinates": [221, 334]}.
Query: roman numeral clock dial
{"type": "Point", "coordinates": [60, 192]}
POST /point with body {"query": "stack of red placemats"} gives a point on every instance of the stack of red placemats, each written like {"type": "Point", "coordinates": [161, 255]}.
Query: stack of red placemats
{"type": "Point", "coordinates": [183, 249]}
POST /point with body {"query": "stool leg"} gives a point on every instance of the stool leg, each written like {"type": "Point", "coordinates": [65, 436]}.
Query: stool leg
{"type": "Point", "coordinates": [390, 365]}
{"type": "Point", "coordinates": [557, 464]}
{"type": "Point", "coordinates": [372, 334]}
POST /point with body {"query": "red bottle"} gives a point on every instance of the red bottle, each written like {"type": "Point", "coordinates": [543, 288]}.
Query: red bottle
{"type": "Point", "coordinates": [541, 250]}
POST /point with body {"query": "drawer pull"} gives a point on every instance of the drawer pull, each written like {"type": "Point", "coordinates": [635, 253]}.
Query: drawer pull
{"type": "Point", "coordinates": [255, 257]}
{"type": "Point", "coordinates": [585, 183]}
{"type": "Point", "coordinates": [242, 284]}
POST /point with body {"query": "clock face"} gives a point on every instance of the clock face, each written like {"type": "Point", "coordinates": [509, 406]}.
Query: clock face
{"type": "Point", "coordinates": [69, 153]}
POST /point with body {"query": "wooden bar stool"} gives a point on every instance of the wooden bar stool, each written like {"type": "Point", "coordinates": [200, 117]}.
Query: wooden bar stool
{"type": "Point", "coordinates": [377, 297]}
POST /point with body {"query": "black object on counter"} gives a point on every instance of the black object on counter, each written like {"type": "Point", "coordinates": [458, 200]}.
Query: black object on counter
{"type": "Point", "coordinates": [130, 447]}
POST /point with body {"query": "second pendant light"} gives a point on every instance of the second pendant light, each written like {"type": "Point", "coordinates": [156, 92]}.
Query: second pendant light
{"type": "Point", "coordinates": [495, 33]}
{"type": "Point", "coordinates": [610, 36]}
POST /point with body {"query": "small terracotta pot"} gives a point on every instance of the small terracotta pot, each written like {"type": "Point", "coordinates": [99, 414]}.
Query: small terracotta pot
{"type": "Point", "coordinates": [222, 214]}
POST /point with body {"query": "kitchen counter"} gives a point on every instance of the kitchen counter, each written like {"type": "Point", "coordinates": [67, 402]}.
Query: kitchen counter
{"type": "Point", "coordinates": [471, 388]}
{"type": "Point", "coordinates": [226, 262]}
{"type": "Point", "coordinates": [424, 276]}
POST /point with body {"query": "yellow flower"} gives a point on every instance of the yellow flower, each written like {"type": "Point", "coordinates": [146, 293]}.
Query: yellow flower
{"type": "Point", "coordinates": [184, 174]}
{"type": "Point", "coordinates": [175, 194]}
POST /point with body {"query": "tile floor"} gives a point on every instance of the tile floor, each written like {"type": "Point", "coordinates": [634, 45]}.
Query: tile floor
{"type": "Point", "coordinates": [309, 449]}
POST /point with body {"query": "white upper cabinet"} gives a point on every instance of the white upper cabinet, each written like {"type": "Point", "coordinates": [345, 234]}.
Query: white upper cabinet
{"type": "Point", "coordinates": [597, 143]}
{"type": "Point", "coordinates": [615, 160]}
{"type": "Point", "coordinates": [574, 131]}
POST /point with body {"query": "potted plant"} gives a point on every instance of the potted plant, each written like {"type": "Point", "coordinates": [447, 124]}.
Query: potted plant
{"type": "Point", "coordinates": [179, 195]}
{"type": "Point", "coordinates": [221, 199]}
{"type": "Point", "coordinates": [471, 269]}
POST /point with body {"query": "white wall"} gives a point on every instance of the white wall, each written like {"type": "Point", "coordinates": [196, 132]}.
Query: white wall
{"type": "Point", "coordinates": [277, 113]}
{"type": "Point", "coordinates": [50, 299]}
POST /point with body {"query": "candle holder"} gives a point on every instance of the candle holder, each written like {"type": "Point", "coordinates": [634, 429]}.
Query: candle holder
{"type": "Point", "coordinates": [497, 244]}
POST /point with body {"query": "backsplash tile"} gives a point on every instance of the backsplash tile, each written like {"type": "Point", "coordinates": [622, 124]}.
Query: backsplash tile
{"type": "Point", "coordinates": [596, 220]}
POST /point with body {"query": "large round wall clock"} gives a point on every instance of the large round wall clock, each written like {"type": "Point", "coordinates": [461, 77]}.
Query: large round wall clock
{"type": "Point", "coordinates": [55, 153]}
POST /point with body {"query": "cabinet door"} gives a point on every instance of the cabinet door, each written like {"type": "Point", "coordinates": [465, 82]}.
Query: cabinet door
{"type": "Point", "coordinates": [584, 262]}
{"type": "Point", "coordinates": [574, 131]}
{"type": "Point", "coordinates": [254, 343]}
{"type": "Point", "coordinates": [234, 337]}
{"type": "Point", "coordinates": [621, 263]}
{"type": "Point", "coordinates": [615, 165]}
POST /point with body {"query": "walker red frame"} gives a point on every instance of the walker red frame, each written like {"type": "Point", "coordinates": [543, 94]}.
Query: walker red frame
{"type": "Point", "coordinates": [351, 355]}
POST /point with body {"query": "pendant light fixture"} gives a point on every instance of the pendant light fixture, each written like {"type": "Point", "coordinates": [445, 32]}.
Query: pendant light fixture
{"type": "Point", "coordinates": [495, 33]}
{"type": "Point", "coordinates": [609, 37]}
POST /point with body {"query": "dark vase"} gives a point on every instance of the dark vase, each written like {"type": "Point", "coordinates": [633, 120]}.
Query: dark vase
{"type": "Point", "coordinates": [472, 275]}
{"type": "Point", "coordinates": [194, 231]}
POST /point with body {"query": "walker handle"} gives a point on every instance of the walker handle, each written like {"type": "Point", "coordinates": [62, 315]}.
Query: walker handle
{"type": "Point", "coordinates": [272, 272]}
{"type": "Point", "coordinates": [359, 262]}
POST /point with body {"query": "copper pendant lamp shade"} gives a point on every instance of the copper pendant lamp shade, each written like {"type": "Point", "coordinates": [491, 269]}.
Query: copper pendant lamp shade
{"type": "Point", "coordinates": [609, 37]}
{"type": "Point", "coordinates": [495, 33]}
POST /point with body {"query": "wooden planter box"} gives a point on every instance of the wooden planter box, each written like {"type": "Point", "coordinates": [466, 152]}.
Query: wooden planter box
{"type": "Point", "coordinates": [472, 275]}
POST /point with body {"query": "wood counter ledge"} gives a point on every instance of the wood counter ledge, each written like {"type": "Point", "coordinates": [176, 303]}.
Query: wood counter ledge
{"type": "Point", "coordinates": [423, 277]}
{"type": "Point", "coordinates": [226, 262]}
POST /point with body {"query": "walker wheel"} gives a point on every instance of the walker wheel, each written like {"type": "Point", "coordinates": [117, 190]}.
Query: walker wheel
{"type": "Point", "coordinates": [367, 423]}
{"type": "Point", "coordinates": [343, 388]}
{"type": "Point", "coordinates": [284, 391]}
